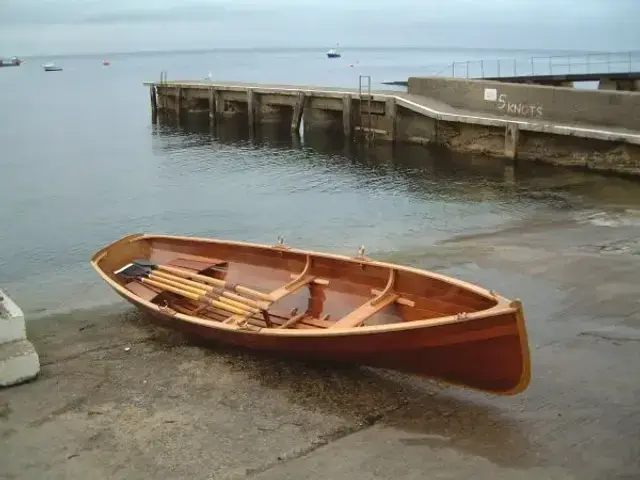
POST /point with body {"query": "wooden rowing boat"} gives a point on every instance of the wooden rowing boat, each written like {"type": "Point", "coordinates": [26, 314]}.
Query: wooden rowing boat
{"type": "Point", "coordinates": [324, 306]}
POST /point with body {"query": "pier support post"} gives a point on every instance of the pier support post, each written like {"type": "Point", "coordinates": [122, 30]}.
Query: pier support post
{"type": "Point", "coordinates": [390, 112]}
{"type": "Point", "coordinates": [347, 116]}
{"type": "Point", "coordinates": [218, 103]}
{"type": "Point", "coordinates": [178, 103]}
{"type": "Point", "coordinates": [298, 110]}
{"type": "Point", "coordinates": [19, 361]}
{"type": "Point", "coordinates": [511, 139]}
{"type": "Point", "coordinates": [212, 107]}
{"type": "Point", "coordinates": [251, 109]}
{"type": "Point", "coordinates": [154, 103]}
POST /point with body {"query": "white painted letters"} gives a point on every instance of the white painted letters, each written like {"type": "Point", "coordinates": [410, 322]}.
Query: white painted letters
{"type": "Point", "coordinates": [523, 109]}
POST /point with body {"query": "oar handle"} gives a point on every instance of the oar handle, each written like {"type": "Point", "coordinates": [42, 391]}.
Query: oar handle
{"type": "Point", "coordinates": [195, 296]}
{"type": "Point", "coordinates": [232, 296]}
{"type": "Point", "coordinates": [214, 281]}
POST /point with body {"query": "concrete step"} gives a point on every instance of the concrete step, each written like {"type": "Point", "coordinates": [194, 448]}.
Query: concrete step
{"type": "Point", "coordinates": [19, 360]}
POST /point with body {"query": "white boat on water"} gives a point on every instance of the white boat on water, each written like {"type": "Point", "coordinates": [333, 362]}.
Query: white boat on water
{"type": "Point", "coordinates": [50, 67]}
{"type": "Point", "coordinates": [333, 53]}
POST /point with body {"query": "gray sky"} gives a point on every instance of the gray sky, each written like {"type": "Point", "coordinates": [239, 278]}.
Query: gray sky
{"type": "Point", "coordinates": [31, 27]}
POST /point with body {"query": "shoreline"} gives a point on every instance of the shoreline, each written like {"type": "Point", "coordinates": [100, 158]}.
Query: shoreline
{"type": "Point", "coordinates": [72, 294]}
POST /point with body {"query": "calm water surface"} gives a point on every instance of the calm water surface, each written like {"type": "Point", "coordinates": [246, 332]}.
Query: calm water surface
{"type": "Point", "coordinates": [81, 165]}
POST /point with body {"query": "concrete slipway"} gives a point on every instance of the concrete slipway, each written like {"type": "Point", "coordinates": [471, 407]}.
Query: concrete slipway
{"type": "Point", "coordinates": [118, 398]}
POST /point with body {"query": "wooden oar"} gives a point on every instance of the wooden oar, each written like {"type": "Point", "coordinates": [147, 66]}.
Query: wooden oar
{"type": "Point", "coordinates": [217, 291]}
{"type": "Point", "coordinates": [178, 282]}
{"type": "Point", "coordinates": [199, 295]}
{"type": "Point", "coordinates": [195, 276]}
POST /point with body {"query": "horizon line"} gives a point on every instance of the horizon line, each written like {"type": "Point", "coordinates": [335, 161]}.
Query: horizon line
{"type": "Point", "coordinates": [568, 52]}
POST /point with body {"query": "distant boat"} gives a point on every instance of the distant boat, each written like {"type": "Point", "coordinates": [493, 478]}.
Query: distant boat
{"type": "Point", "coordinates": [333, 53]}
{"type": "Point", "coordinates": [14, 62]}
{"type": "Point", "coordinates": [50, 67]}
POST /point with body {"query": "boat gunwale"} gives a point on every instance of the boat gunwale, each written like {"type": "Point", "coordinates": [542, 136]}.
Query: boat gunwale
{"type": "Point", "coordinates": [503, 306]}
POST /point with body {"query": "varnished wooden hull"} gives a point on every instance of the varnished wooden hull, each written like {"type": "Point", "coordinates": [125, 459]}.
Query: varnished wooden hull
{"type": "Point", "coordinates": [484, 350]}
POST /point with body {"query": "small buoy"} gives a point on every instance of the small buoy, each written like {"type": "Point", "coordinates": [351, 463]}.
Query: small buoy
{"type": "Point", "coordinates": [351, 65]}
{"type": "Point", "coordinates": [106, 62]}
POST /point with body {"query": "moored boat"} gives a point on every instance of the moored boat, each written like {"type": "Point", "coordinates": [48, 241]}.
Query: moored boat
{"type": "Point", "coordinates": [333, 52]}
{"type": "Point", "coordinates": [50, 67]}
{"type": "Point", "coordinates": [13, 62]}
{"type": "Point", "coordinates": [324, 306]}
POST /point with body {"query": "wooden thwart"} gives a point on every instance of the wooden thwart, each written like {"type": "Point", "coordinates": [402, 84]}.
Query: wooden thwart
{"type": "Point", "coordinates": [196, 265]}
{"type": "Point", "coordinates": [369, 309]}
{"type": "Point", "coordinates": [294, 285]}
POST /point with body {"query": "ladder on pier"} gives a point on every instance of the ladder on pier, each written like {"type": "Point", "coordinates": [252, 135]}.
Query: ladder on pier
{"type": "Point", "coordinates": [365, 107]}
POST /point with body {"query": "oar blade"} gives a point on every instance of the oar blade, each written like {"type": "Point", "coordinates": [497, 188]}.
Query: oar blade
{"type": "Point", "coordinates": [132, 271]}
{"type": "Point", "coordinates": [145, 263]}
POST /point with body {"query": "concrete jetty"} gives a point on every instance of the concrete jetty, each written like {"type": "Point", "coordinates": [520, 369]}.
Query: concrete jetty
{"type": "Point", "coordinates": [629, 81]}
{"type": "Point", "coordinates": [19, 360]}
{"type": "Point", "coordinates": [598, 130]}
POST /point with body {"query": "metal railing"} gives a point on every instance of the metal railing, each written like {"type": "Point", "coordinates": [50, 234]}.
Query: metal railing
{"type": "Point", "coordinates": [369, 97]}
{"type": "Point", "coordinates": [589, 63]}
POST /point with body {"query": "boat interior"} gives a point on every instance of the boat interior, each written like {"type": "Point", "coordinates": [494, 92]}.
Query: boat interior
{"type": "Point", "coordinates": [255, 287]}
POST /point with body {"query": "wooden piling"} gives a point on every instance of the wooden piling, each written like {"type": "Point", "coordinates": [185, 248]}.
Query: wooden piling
{"type": "Point", "coordinates": [298, 110]}
{"type": "Point", "coordinates": [347, 116]}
